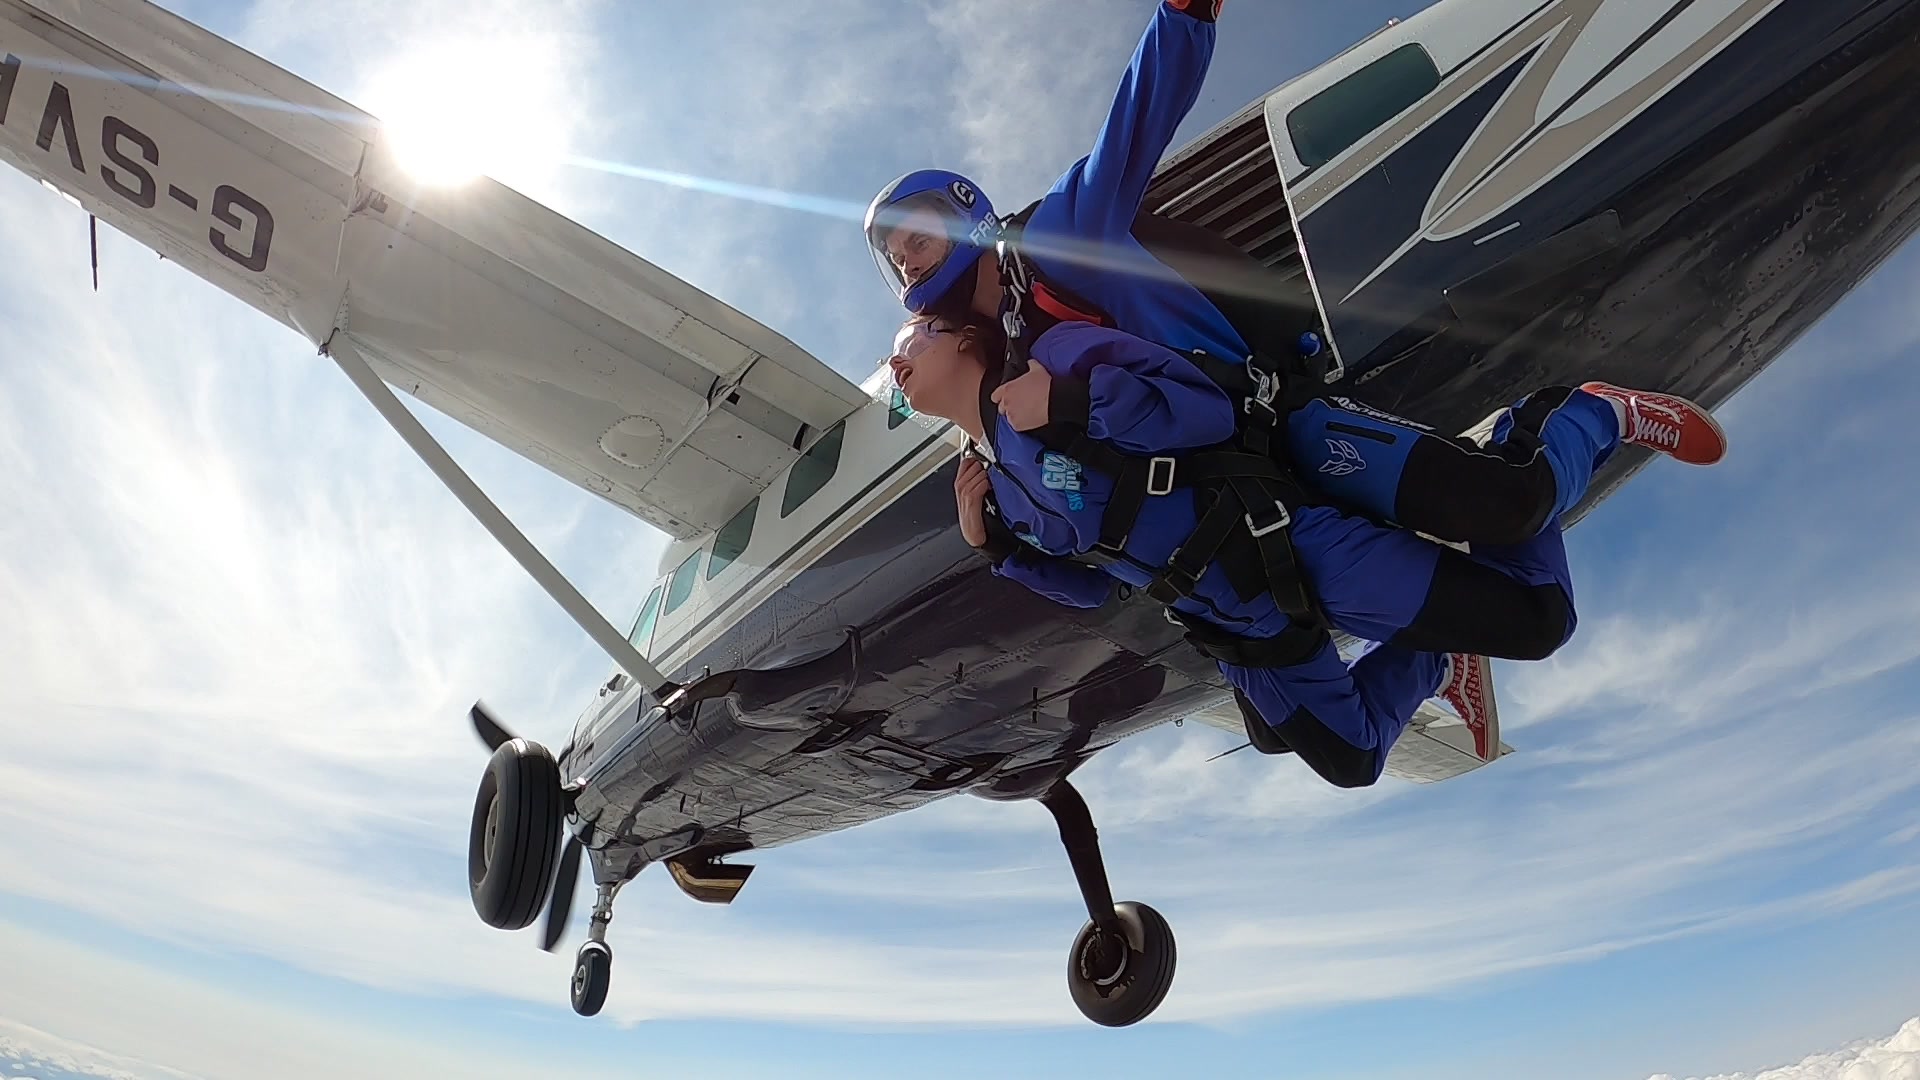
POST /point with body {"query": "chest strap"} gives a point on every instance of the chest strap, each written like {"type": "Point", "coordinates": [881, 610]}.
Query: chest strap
{"type": "Point", "coordinates": [1248, 486]}
{"type": "Point", "coordinates": [1247, 491]}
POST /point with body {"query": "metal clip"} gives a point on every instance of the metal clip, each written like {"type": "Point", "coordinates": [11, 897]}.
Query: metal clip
{"type": "Point", "coordinates": [1265, 387]}
{"type": "Point", "coordinates": [1281, 522]}
{"type": "Point", "coordinates": [1160, 476]}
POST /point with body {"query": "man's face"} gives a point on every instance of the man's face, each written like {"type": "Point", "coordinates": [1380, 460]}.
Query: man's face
{"type": "Point", "coordinates": [918, 244]}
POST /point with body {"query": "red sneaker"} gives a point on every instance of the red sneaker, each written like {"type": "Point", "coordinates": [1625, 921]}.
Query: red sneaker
{"type": "Point", "coordinates": [1665, 422]}
{"type": "Point", "coordinates": [1469, 690]}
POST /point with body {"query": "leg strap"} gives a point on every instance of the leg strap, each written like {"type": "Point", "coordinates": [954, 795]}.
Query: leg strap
{"type": "Point", "coordinates": [1297, 644]}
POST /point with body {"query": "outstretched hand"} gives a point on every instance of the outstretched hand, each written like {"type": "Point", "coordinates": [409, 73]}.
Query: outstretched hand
{"type": "Point", "coordinates": [970, 487]}
{"type": "Point", "coordinates": [1025, 401]}
{"type": "Point", "coordinates": [1204, 10]}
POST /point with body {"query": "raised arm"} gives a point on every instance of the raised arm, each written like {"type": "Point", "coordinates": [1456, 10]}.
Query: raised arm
{"type": "Point", "coordinates": [1104, 189]}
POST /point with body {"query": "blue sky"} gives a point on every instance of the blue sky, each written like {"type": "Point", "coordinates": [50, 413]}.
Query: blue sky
{"type": "Point", "coordinates": [245, 624]}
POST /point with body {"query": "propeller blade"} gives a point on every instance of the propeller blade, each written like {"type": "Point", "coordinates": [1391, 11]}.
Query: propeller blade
{"type": "Point", "coordinates": [560, 905]}
{"type": "Point", "coordinates": [489, 729]}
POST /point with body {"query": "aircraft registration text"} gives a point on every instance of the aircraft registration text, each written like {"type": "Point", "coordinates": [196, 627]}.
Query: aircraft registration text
{"type": "Point", "coordinates": [129, 162]}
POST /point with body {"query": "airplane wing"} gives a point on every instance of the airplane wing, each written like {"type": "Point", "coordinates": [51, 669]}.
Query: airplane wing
{"type": "Point", "coordinates": [478, 301]}
{"type": "Point", "coordinates": [1436, 745]}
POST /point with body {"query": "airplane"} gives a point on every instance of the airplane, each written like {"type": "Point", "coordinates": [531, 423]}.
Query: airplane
{"type": "Point", "coordinates": [1484, 197]}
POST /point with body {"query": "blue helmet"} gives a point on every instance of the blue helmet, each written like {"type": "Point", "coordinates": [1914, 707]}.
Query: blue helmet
{"type": "Point", "coordinates": [962, 227]}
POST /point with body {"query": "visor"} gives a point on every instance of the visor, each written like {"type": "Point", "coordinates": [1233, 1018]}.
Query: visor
{"type": "Point", "coordinates": [923, 230]}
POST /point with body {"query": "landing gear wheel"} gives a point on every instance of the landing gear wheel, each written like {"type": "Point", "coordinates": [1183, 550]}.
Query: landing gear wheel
{"type": "Point", "coordinates": [514, 843]}
{"type": "Point", "coordinates": [1116, 983]}
{"type": "Point", "coordinates": [592, 974]}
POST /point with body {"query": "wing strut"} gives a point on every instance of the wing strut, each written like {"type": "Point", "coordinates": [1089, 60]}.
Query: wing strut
{"type": "Point", "coordinates": [340, 347]}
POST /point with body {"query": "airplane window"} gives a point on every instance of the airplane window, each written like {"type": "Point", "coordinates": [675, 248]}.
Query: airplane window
{"type": "Point", "coordinates": [1346, 112]}
{"type": "Point", "coordinates": [680, 586]}
{"type": "Point", "coordinates": [899, 412]}
{"type": "Point", "coordinates": [813, 470]}
{"type": "Point", "coordinates": [732, 539]}
{"type": "Point", "coordinates": [642, 633]}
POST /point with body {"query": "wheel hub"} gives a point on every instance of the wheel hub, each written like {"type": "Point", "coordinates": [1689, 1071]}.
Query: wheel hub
{"type": "Point", "coordinates": [1103, 962]}
{"type": "Point", "coordinates": [492, 832]}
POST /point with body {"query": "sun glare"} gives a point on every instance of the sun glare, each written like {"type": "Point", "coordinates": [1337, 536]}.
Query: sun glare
{"type": "Point", "coordinates": [464, 108]}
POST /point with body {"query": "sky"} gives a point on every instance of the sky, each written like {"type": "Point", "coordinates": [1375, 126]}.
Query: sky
{"type": "Point", "coordinates": [245, 625]}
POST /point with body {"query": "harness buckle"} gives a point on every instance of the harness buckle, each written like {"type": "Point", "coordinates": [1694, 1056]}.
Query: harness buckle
{"type": "Point", "coordinates": [1280, 522]}
{"type": "Point", "coordinates": [1266, 383]}
{"type": "Point", "coordinates": [1266, 389]}
{"type": "Point", "coordinates": [1172, 583]}
{"type": "Point", "coordinates": [1160, 476]}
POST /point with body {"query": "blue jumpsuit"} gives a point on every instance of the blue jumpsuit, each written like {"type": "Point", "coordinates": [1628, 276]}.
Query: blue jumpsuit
{"type": "Point", "coordinates": [1371, 580]}
{"type": "Point", "coordinates": [1080, 237]}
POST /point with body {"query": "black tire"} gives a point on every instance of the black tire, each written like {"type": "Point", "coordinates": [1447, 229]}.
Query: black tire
{"type": "Point", "coordinates": [1141, 986]}
{"type": "Point", "coordinates": [592, 975]}
{"type": "Point", "coordinates": [514, 843]}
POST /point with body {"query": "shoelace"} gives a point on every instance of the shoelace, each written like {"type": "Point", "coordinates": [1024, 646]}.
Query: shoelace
{"type": "Point", "coordinates": [1659, 432]}
{"type": "Point", "coordinates": [1461, 692]}
{"type": "Point", "coordinates": [1461, 688]}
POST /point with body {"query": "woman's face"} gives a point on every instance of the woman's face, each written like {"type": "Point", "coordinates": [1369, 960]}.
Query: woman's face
{"type": "Point", "coordinates": [930, 368]}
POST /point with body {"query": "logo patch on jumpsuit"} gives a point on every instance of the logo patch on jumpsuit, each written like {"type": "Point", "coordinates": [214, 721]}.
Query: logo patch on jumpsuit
{"type": "Point", "coordinates": [1345, 458]}
{"type": "Point", "coordinates": [1061, 473]}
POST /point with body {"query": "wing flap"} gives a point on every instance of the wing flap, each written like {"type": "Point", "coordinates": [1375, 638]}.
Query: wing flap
{"type": "Point", "coordinates": [476, 300]}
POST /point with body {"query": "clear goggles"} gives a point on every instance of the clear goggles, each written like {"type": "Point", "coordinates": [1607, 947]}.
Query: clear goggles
{"type": "Point", "coordinates": [914, 338]}
{"type": "Point", "coordinates": [916, 234]}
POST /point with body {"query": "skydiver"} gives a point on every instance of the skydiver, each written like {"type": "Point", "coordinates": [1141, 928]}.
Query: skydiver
{"type": "Point", "coordinates": [932, 233]}
{"type": "Point", "coordinates": [1433, 613]}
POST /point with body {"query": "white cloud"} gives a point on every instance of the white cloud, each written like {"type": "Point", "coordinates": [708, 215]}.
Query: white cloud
{"type": "Point", "coordinates": [1896, 1057]}
{"type": "Point", "coordinates": [144, 1025]}
{"type": "Point", "coordinates": [26, 1052]}
{"type": "Point", "coordinates": [1019, 114]}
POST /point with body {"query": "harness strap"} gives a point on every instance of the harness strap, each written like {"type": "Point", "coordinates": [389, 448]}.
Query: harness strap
{"type": "Point", "coordinates": [1261, 507]}
{"type": "Point", "coordinates": [1249, 487]}
{"type": "Point", "coordinates": [1051, 302]}
{"type": "Point", "coordinates": [1136, 477]}
{"type": "Point", "coordinates": [1190, 560]}
{"type": "Point", "coordinates": [1286, 579]}
{"type": "Point", "coordinates": [1296, 644]}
